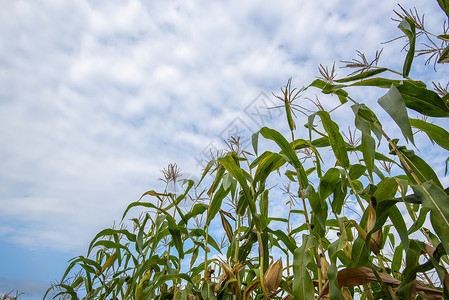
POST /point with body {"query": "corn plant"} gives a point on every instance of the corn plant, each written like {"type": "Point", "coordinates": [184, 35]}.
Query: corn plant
{"type": "Point", "coordinates": [394, 246]}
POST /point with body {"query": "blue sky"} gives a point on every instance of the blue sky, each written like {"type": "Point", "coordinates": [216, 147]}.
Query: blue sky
{"type": "Point", "coordinates": [96, 97]}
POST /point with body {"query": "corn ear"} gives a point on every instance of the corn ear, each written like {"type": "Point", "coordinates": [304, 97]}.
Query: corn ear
{"type": "Point", "coordinates": [273, 276]}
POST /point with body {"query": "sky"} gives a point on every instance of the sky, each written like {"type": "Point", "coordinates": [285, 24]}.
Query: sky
{"type": "Point", "coordinates": [96, 97]}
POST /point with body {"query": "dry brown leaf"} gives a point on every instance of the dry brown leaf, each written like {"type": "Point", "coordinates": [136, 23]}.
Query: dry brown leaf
{"type": "Point", "coordinates": [350, 277]}
{"type": "Point", "coordinates": [446, 281]}
{"type": "Point", "coordinates": [250, 289]}
{"type": "Point", "coordinates": [273, 276]}
{"type": "Point", "coordinates": [426, 292]}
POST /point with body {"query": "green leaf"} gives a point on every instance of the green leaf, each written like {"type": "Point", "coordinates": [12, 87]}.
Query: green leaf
{"type": "Point", "coordinates": [147, 205]}
{"type": "Point", "coordinates": [362, 75]}
{"type": "Point", "coordinates": [334, 289]}
{"type": "Point", "coordinates": [176, 235]}
{"type": "Point", "coordinates": [378, 82]}
{"type": "Point", "coordinates": [435, 133]}
{"type": "Point", "coordinates": [415, 94]}
{"type": "Point", "coordinates": [396, 264]}
{"type": "Point", "coordinates": [340, 192]}
{"type": "Point", "coordinates": [364, 122]}
{"type": "Point", "coordinates": [231, 166]}
{"type": "Point", "coordinates": [266, 166]}
{"type": "Point", "coordinates": [424, 101]}
{"type": "Point", "coordinates": [197, 209]}
{"type": "Point", "coordinates": [394, 105]}
{"type": "Point", "coordinates": [109, 245]}
{"type": "Point", "coordinates": [291, 123]}
{"type": "Point", "coordinates": [215, 204]}
{"type": "Point", "coordinates": [408, 27]}
{"type": "Point", "coordinates": [409, 273]}
{"type": "Point", "coordinates": [360, 253]}
{"type": "Point", "coordinates": [399, 223]}
{"type": "Point", "coordinates": [161, 280]}
{"type": "Point", "coordinates": [444, 57]}
{"type": "Point", "coordinates": [356, 170]}
{"type": "Point", "coordinates": [434, 198]}
{"type": "Point", "coordinates": [287, 149]}
{"type": "Point", "coordinates": [226, 226]}
{"type": "Point", "coordinates": [210, 239]}
{"type": "Point", "coordinates": [328, 182]}
{"type": "Point", "coordinates": [386, 189]}
{"type": "Point", "coordinates": [302, 282]}
{"type": "Point", "coordinates": [109, 232]}
{"type": "Point", "coordinates": [327, 88]}
{"type": "Point", "coordinates": [255, 141]}
{"type": "Point", "coordinates": [444, 4]}
{"type": "Point", "coordinates": [319, 208]}
{"type": "Point", "coordinates": [419, 166]}
{"type": "Point", "coordinates": [335, 138]}
{"type": "Point", "coordinates": [420, 221]}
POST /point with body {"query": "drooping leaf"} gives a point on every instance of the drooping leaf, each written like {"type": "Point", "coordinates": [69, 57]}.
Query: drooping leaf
{"type": "Point", "coordinates": [415, 95]}
{"type": "Point", "coordinates": [319, 208]}
{"type": "Point", "coordinates": [339, 195]}
{"type": "Point", "coordinates": [444, 57]}
{"type": "Point", "coordinates": [215, 204]}
{"type": "Point", "coordinates": [394, 105]}
{"type": "Point", "coordinates": [356, 170]}
{"type": "Point", "coordinates": [335, 138]}
{"type": "Point", "coordinates": [396, 263]}
{"type": "Point", "coordinates": [255, 141]}
{"type": "Point", "coordinates": [327, 88]}
{"type": "Point", "coordinates": [231, 166]}
{"type": "Point", "coordinates": [334, 289]}
{"type": "Point", "coordinates": [328, 182]}
{"type": "Point", "coordinates": [386, 189]}
{"type": "Point", "coordinates": [435, 133]}
{"type": "Point", "coordinates": [175, 232]}
{"type": "Point", "coordinates": [408, 27]}
{"type": "Point", "coordinates": [434, 198]}
{"type": "Point", "coordinates": [109, 232]}
{"type": "Point", "coordinates": [399, 223]}
{"type": "Point", "coordinates": [350, 277]}
{"type": "Point", "coordinates": [226, 226]}
{"type": "Point", "coordinates": [288, 241]}
{"type": "Point", "coordinates": [302, 282]}
{"type": "Point", "coordinates": [287, 149]}
{"type": "Point", "coordinates": [266, 166]}
{"type": "Point", "coordinates": [420, 221]}
{"type": "Point", "coordinates": [198, 209]}
{"type": "Point", "coordinates": [421, 169]}
{"type": "Point", "coordinates": [412, 260]}
{"type": "Point", "coordinates": [422, 100]}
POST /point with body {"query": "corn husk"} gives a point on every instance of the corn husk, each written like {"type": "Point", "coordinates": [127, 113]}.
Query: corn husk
{"type": "Point", "coordinates": [273, 276]}
{"type": "Point", "coordinates": [376, 237]}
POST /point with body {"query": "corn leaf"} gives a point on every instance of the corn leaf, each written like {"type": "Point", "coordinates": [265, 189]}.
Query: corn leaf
{"type": "Point", "coordinates": [434, 198]}
{"type": "Point", "coordinates": [287, 149]}
{"type": "Point", "coordinates": [408, 27]}
{"type": "Point", "coordinates": [215, 204]}
{"type": "Point", "coordinates": [362, 75]}
{"type": "Point", "coordinates": [435, 133]}
{"type": "Point", "coordinates": [335, 138]}
{"type": "Point", "coordinates": [302, 282]}
{"type": "Point", "coordinates": [394, 105]}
